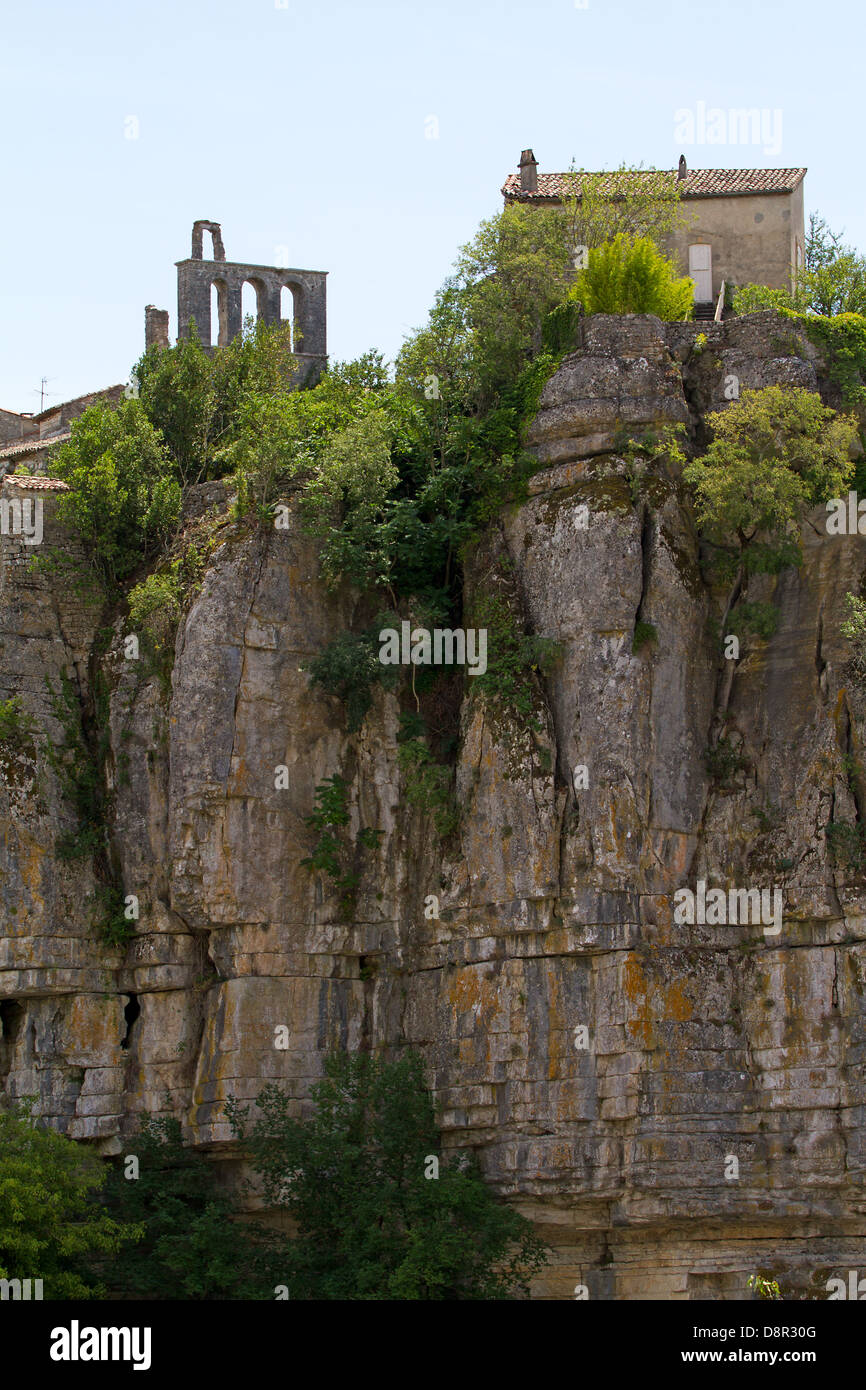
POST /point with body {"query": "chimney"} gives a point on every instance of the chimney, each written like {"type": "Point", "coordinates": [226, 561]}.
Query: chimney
{"type": "Point", "coordinates": [528, 167]}
{"type": "Point", "coordinates": [683, 169]}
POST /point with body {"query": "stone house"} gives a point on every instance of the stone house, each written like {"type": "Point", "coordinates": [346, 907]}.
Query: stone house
{"type": "Point", "coordinates": [744, 226]}
{"type": "Point", "coordinates": [26, 439]}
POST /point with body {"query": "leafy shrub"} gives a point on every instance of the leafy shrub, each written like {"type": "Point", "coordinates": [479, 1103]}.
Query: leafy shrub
{"type": "Point", "coordinates": [760, 618]}
{"type": "Point", "coordinates": [645, 635]}
{"type": "Point", "coordinates": [847, 840]}
{"type": "Point", "coordinates": [853, 629]}
{"type": "Point", "coordinates": [753, 299]}
{"type": "Point", "coordinates": [427, 784]}
{"type": "Point", "coordinates": [49, 1223]}
{"type": "Point", "coordinates": [123, 501]}
{"type": "Point", "coordinates": [775, 452]}
{"type": "Point", "coordinates": [511, 657]}
{"type": "Point", "coordinates": [349, 667]}
{"type": "Point", "coordinates": [724, 761]}
{"type": "Point", "coordinates": [631, 276]}
{"type": "Point", "coordinates": [371, 1223]}
{"type": "Point", "coordinates": [191, 1246]}
{"type": "Point", "coordinates": [108, 920]}
{"type": "Point", "coordinates": [332, 853]}
{"type": "Point", "coordinates": [561, 328]}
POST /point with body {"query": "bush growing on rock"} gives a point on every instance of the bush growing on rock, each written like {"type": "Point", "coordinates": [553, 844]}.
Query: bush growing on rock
{"type": "Point", "coordinates": [379, 1215]}
{"type": "Point", "coordinates": [629, 275]}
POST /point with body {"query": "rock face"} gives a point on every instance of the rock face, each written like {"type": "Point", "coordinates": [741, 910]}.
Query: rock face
{"type": "Point", "coordinates": [703, 1043]}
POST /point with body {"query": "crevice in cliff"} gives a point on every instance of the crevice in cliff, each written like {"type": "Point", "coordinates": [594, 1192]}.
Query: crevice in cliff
{"type": "Point", "coordinates": [820, 663]}
{"type": "Point", "coordinates": [12, 1019]}
{"type": "Point", "coordinates": [849, 763]}
{"type": "Point", "coordinates": [647, 547]}
{"type": "Point", "coordinates": [131, 1013]}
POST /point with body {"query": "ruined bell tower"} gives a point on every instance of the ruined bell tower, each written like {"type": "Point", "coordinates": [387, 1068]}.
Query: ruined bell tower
{"type": "Point", "coordinates": [196, 277]}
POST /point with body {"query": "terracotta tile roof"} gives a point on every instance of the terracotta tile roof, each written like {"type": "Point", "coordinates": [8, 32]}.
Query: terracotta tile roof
{"type": "Point", "coordinates": [698, 183]}
{"type": "Point", "coordinates": [36, 484]}
{"type": "Point", "coordinates": [31, 445]}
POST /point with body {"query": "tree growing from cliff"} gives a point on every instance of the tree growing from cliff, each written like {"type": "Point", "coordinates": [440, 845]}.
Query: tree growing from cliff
{"type": "Point", "coordinates": [123, 501]}
{"type": "Point", "coordinates": [379, 1214]}
{"type": "Point", "coordinates": [515, 270]}
{"type": "Point", "coordinates": [194, 398]}
{"type": "Point", "coordinates": [629, 275]}
{"type": "Point", "coordinates": [50, 1223]}
{"type": "Point", "coordinates": [192, 1246]}
{"type": "Point", "coordinates": [776, 452]}
{"type": "Point", "coordinates": [521, 263]}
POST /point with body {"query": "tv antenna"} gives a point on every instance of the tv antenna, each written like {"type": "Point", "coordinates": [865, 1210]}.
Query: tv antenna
{"type": "Point", "coordinates": [43, 393]}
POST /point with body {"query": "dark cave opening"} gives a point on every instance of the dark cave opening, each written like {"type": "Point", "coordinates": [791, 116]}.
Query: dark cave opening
{"type": "Point", "coordinates": [12, 1015]}
{"type": "Point", "coordinates": [130, 1013]}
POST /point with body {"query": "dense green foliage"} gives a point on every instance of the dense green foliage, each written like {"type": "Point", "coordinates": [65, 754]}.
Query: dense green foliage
{"type": "Point", "coordinates": [842, 340]}
{"type": "Point", "coordinates": [193, 397]}
{"type": "Point", "coordinates": [775, 453]}
{"type": "Point", "coordinates": [427, 783]}
{"type": "Point", "coordinates": [373, 1223]}
{"type": "Point", "coordinates": [333, 852]}
{"type": "Point", "coordinates": [77, 762]}
{"type": "Point", "coordinates": [512, 658]}
{"type": "Point", "coordinates": [123, 502]}
{"type": "Point", "coordinates": [192, 1246]}
{"type": "Point", "coordinates": [49, 1220]}
{"type": "Point", "coordinates": [631, 276]}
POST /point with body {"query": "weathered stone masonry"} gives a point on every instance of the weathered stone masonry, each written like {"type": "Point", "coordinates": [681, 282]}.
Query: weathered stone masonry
{"type": "Point", "coordinates": [196, 276]}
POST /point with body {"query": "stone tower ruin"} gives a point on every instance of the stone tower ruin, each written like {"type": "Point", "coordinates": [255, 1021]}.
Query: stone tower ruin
{"type": "Point", "coordinates": [196, 277]}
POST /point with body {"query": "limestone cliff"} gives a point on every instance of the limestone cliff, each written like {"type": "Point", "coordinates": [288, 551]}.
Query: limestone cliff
{"type": "Point", "coordinates": [555, 898]}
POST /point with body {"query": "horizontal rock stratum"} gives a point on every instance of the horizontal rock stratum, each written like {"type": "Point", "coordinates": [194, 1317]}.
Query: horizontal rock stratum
{"type": "Point", "coordinates": [702, 1041]}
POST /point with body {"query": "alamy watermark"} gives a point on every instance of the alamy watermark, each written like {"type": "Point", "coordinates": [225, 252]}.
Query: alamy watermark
{"type": "Point", "coordinates": [443, 646]}
{"type": "Point", "coordinates": [21, 518]}
{"type": "Point", "coordinates": [738, 906]}
{"type": "Point", "coordinates": [76, 1343]}
{"type": "Point", "coordinates": [846, 516]}
{"type": "Point", "coordinates": [20, 1290]}
{"type": "Point", "coordinates": [740, 125]}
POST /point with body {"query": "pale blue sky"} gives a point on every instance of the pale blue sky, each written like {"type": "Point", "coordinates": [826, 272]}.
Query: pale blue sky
{"type": "Point", "coordinates": [304, 127]}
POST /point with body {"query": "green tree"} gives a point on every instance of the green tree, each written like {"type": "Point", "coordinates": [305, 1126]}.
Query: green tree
{"type": "Point", "coordinates": [631, 276]}
{"type": "Point", "coordinates": [634, 202]}
{"type": "Point", "coordinates": [124, 501]}
{"type": "Point", "coordinates": [194, 397]}
{"type": "Point", "coordinates": [192, 1245]}
{"type": "Point", "coordinates": [284, 434]}
{"type": "Point", "coordinates": [370, 1224]}
{"type": "Point", "coordinates": [50, 1222]}
{"type": "Point", "coordinates": [775, 453]}
{"type": "Point", "coordinates": [515, 270]}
